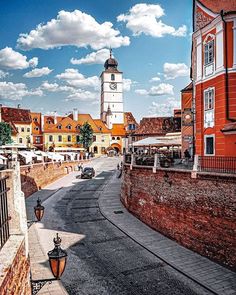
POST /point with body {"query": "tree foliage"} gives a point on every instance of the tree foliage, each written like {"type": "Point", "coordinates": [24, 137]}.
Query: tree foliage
{"type": "Point", "coordinates": [5, 133]}
{"type": "Point", "coordinates": [86, 135]}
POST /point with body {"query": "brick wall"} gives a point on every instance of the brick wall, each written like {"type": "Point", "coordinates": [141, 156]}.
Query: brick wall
{"type": "Point", "coordinates": [40, 175]}
{"type": "Point", "coordinates": [15, 277]}
{"type": "Point", "coordinates": [199, 213]}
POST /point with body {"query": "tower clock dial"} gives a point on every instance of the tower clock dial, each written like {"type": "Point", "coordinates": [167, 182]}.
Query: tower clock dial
{"type": "Point", "coordinates": [113, 86]}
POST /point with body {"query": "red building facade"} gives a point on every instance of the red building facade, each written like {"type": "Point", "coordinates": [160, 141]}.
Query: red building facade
{"type": "Point", "coordinates": [214, 77]}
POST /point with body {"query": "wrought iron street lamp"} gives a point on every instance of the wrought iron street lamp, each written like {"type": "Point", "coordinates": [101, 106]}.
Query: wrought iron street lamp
{"type": "Point", "coordinates": [57, 258]}
{"type": "Point", "coordinates": [39, 210]}
{"type": "Point", "coordinates": [57, 261]}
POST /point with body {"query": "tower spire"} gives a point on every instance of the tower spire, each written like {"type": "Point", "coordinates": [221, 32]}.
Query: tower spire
{"type": "Point", "coordinates": [110, 52]}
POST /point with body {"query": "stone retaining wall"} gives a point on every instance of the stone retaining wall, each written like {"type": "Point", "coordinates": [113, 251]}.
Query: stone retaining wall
{"type": "Point", "coordinates": [199, 213]}
{"type": "Point", "coordinates": [37, 176]}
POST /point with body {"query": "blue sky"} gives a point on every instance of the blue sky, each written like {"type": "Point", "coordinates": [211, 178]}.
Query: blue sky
{"type": "Point", "coordinates": [52, 53]}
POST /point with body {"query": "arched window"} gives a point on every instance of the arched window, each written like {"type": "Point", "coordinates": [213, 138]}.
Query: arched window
{"type": "Point", "coordinates": [59, 138]}
{"type": "Point", "coordinates": [69, 126]}
{"type": "Point", "coordinates": [50, 138]}
{"type": "Point", "coordinates": [118, 138]}
{"type": "Point", "coordinates": [95, 150]}
{"type": "Point", "coordinates": [69, 138]}
{"type": "Point", "coordinates": [112, 77]}
{"type": "Point", "coordinates": [59, 126]}
{"type": "Point", "coordinates": [113, 138]}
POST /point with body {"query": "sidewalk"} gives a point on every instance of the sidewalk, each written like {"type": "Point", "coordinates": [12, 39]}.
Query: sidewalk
{"type": "Point", "coordinates": [216, 278]}
{"type": "Point", "coordinates": [40, 268]}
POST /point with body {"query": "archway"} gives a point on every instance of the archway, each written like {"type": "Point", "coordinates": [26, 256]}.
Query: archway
{"type": "Point", "coordinates": [116, 147]}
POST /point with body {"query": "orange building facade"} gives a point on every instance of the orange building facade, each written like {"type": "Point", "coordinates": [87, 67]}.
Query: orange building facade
{"type": "Point", "coordinates": [214, 77]}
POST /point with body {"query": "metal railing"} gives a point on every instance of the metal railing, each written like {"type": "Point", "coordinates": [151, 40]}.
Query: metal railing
{"type": "Point", "coordinates": [4, 218]}
{"type": "Point", "coordinates": [217, 164]}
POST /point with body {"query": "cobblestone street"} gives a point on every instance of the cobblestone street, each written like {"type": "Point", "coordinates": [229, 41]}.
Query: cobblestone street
{"type": "Point", "coordinates": [102, 259]}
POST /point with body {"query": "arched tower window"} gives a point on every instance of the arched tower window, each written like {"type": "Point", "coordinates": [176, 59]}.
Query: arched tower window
{"type": "Point", "coordinates": [112, 77]}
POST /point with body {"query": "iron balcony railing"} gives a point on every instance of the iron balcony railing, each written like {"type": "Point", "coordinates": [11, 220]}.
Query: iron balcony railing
{"type": "Point", "coordinates": [4, 218]}
{"type": "Point", "coordinates": [217, 164]}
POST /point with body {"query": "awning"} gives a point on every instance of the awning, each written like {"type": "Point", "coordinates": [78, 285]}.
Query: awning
{"type": "Point", "coordinates": [55, 156]}
{"type": "Point", "coordinates": [160, 141]}
{"type": "Point", "coordinates": [229, 128]}
{"type": "Point", "coordinates": [28, 155]}
{"type": "Point", "coordinates": [56, 149]}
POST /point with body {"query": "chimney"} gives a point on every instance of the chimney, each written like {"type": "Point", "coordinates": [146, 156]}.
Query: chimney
{"type": "Point", "coordinates": [42, 122]}
{"type": "Point", "coordinates": [55, 117]}
{"type": "Point", "coordinates": [75, 114]}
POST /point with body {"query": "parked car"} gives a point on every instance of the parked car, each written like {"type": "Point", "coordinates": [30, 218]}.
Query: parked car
{"type": "Point", "coordinates": [88, 172]}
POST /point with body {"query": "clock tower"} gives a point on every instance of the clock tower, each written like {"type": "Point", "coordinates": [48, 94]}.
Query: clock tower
{"type": "Point", "coordinates": [112, 93]}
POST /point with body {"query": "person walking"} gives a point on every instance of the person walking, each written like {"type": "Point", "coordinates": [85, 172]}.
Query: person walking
{"type": "Point", "coordinates": [187, 156]}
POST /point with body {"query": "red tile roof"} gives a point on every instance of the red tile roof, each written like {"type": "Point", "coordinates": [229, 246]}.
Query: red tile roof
{"type": "Point", "coordinates": [16, 115]}
{"type": "Point", "coordinates": [158, 126]}
{"type": "Point", "coordinates": [118, 129]}
{"type": "Point", "coordinates": [101, 126]}
{"type": "Point", "coordinates": [218, 5]}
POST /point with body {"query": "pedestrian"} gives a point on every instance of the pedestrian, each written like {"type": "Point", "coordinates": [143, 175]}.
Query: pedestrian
{"type": "Point", "coordinates": [118, 166]}
{"type": "Point", "coordinates": [81, 167]}
{"type": "Point", "coordinates": [187, 156]}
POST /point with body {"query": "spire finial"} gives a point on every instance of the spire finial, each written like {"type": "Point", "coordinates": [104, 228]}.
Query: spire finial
{"type": "Point", "coordinates": [110, 52]}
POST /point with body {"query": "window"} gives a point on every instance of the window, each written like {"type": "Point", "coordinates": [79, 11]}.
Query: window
{"type": "Point", "coordinates": [209, 145]}
{"type": "Point", "coordinates": [209, 107]}
{"type": "Point", "coordinates": [22, 129]}
{"type": "Point", "coordinates": [36, 128]}
{"type": "Point", "coordinates": [131, 126]}
{"type": "Point", "coordinates": [35, 119]}
{"type": "Point", "coordinates": [59, 126]}
{"type": "Point", "coordinates": [28, 129]}
{"type": "Point", "coordinates": [113, 138]}
{"type": "Point", "coordinates": [50, 138]}
{"type": "Point", "coordinates": [103, 139]}
{"type": "Point", "coordinates": [209, 53]}
{"type": "Point", "coordinates": [20, 140]}
{"type": "Point", "coordinates": [112, 77]}
{"type": "Point", "coordinates": [103, 149]}
{"type": "Point", "coordinates": [133, 138]}
{"type": "Point", "coordinates": [78, 127]}
{"type": "Point", "coordinates": [118, 138]}
{"type": "Point", "coordinates": [69, 138]}
{"type": "Point", "coordinates": [77, 138]}
{"type": "Point", "coordinates": [37, 139]}
{"type": "Point", "coordinates": [94, 138]}
{"type": "Point", "coordinates": [209, 99]}
{"type": "Point", "coordinates": [59, 138]}
{"type": "Point", "coordinates": [95, 150]}
{"type": "Point", "coordinates": [68, 127]}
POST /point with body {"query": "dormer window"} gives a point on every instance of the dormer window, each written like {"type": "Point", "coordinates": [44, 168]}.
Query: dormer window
{"type": "Point", "coordinates": [35, 119]}
{"type": "Point", "coordinates": [68, 126]}
{"type": "Point", "coordinates": [59, 126]}
{"type": "Point", "coordinates": [36, 128]}
{"type": "Point", "coordinates": [49, 122]}
{"type": "Point", "coordinates": [78, 127]}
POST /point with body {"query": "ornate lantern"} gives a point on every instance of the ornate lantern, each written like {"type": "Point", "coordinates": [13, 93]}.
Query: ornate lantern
{"type": "Point", "coordinates": [57, 258]}
{"type": "Point", "coordinates": [39, 210]}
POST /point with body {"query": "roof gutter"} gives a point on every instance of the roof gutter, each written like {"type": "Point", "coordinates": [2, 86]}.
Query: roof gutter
{"type": "Point", "coordinates": [226, 68]}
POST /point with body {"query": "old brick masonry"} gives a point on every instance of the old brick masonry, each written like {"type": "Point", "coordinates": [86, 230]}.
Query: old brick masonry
{"type": "Point", "coordinates": [199, 213]}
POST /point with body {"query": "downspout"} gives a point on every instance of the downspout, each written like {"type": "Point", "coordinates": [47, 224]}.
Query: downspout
{"type": "Point", "coordinates": [226, 69]}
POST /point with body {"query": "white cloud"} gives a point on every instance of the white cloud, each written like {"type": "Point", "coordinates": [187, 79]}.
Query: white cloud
{"type": "Point", "coordinates": [164, 109]}
{"type": "Point", "coordinates": [39, 72]}
{"type": "Point", "coordinates": [13, 60]}
{"type": "Point", "coordinates": [172, 71]}
{"type": "Point", "coordinates": [97, 57]}
{"type": "Point", "coordinates": [72, 28]}
{"type": "Point", "coordinates": [145, 18]}
{"type": "Point", "coordinates": [73, 78]}
{"type": "Point", "coordinates": [155, 79]}
{"type": "Point", "coordinates": [16, 91]}
{"type": "Point", "coordinates": [83, 95]}
{"type": "Point", "coordinates": [127, 83]}
{"type": "Point", "coordinates": [54, 87]}
{"type": "Point", "coordinates": [141, 91]}
{"type": "Point", "coordinates": [159, 90]}
{"type": "Point", "coordinates": [3, 74]}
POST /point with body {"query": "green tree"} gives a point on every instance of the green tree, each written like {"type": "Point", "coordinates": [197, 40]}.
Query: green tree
{"type": "Point", "coordinates": [86, 135]}
{"type": "Point", "coordinates": [5, 133]}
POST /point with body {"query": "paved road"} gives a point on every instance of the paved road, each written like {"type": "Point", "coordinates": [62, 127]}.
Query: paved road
{"type": "Point", "coordinates": [101, 258]}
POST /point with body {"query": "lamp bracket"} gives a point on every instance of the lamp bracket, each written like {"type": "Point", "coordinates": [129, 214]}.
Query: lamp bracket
{"type": "Point", "coordinates": [37, 285]}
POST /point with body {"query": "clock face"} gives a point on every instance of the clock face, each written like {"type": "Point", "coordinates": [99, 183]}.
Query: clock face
{"type": "Point", "coordinates": [113, 86]}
